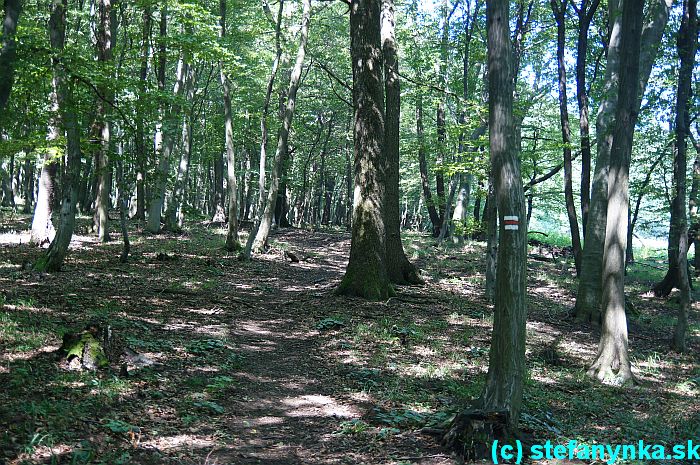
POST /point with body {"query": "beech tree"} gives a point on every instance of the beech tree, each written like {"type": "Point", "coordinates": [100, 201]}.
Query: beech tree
{"type": "Point", "coordinates": [613, 358]}
{"type": "Point", "coordinates": [366, 274]}
{"type": "Point", "coordinates": [399, 269]}
{"type": "Point", "coordinates": [495, 414]}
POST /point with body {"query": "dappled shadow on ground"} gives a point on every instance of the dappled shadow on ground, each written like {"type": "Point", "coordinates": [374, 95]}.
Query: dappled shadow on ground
{"type": "Point", "coordinates": [258, 362]}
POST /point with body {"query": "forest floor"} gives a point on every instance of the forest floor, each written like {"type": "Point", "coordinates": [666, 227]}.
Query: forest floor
{"type": "Point", "coordinates": [260, 363]}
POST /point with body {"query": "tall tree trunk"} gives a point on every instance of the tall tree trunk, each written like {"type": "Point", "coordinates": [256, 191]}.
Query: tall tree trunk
{"type": "Point", "coordinates": [174, 215]}
{"type": "Point", "coordinates": [399, 269]}
{"type": "Point", "coordinates": [501, 398]}
{"type": "Point", "coordinates": [585, 15]}
{"type": "Point", "coordinates": [263, 229]}
{"type": "Point", "coordinates": [559, 9]}
{"type": "Point", "coordinates": [165, 150]}
{"type": "Point", "coordinates": [8, 50]}
{"type": "Point", "coordinates": [53, 260]}
{"type": "Point", "coordinates": [103, 169]}
{"type": "Point", "coordinates": [140, 144]}
{"type": "Point", "coordinates": [588, 300]}
{"type": "Point", "coordinates": [260, 205]}
{"type": "Point", "coordinates": [423, 167]}
{"type": "Point", "coordinates": [612, 351]}
{"type": "Point", "coordinates": [366, 275]}
{"type": "Point", "coordinates": [232, 242]}
{"type": "Point", "coordinates": [687, 45]}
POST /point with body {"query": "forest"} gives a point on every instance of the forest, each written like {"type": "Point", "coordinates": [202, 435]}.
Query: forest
{"type": "Point", "coordinates": [349, 232]}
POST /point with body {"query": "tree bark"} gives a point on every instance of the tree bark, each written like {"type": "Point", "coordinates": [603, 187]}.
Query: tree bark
{"type": "Point", "coordinates": [588, 300]}
{"type": "Point", "coordinates": [174, 215]}
{"type": "Point", "coordinates": [612, 359]}
{"type": "Point", "coordinates": [399, 269]}
{"type": "Point", "coordinates": [423, 167]}
{"type": "Point", "coordinates": [263, 229]}
{"type": "Point", "coordinates": [140, 142]}
{"type": "Point", "coordinates": [559, 9]}
{"type": "Point", "coordinates": [103, 170]}
{"type": "Point", "coordinates": [503, 391]}
{"type": "Point", "coordinates": [232, 242]}
{"type": "Point", "coordinates": [53, 260]}
{"type": "Point", "coordinates": [585, 15]}
{"type": "Point", "coordinates": [165, 149]}
{"type": "Point", "coordinates": [366, 274]}
{"type": "Point", "coordinates": [8, 50]}
{"type": "Point", "coordinates": [687, 45]}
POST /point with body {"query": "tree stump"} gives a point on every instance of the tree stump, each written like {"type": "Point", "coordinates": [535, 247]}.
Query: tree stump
{"type": "Point", "coordinates": [473, 431]}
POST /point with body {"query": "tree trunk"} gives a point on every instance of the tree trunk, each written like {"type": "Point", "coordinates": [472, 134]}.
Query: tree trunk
{"type": "Point", "coordinates": [42, 226]}
{"type": "Point", "coordinates": [140, 144]}
{"type": "Point", "coordinates": [501, 398]}
{"type": "Point", "coordinates": [399, 269]}
{"type": "Point", "coordinates": [232, 242]}
{"type": "Point", "coordinates": [174, 217]}
{"type": "Point", "coordinates": [8, 50]}
{"type": "Point", "coordinates": [53, 260]}
{"type": "Point", "coordinates": [585, 16]}
{"type": "Point", "coordinates": [693, 205]}
{"type": "Point", "coordinates": [366, 275]}
{"type": "Point", "coordinates": [423, 167]}
{"type": "Point", "coordinates": [165, 149]}
{"type": "Point", "coordinates": [559, 8]}
{"type": "Point", "coordinates": [686, 44]}
{"type": "Point", "coordinates": [103, 170]}
{"type": "Point", "coordinates": [613, 353]}
{"type": "Point", "coordinates": [263, 228]}
{"type": "Point", "coordinates": [588, 300]}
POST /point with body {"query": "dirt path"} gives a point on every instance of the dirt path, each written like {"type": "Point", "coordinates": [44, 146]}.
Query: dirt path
{"type": "Point", "coordinates": [260, 363]}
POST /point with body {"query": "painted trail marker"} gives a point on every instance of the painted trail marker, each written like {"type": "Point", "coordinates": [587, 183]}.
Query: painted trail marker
{"type": "Point", "coordinates": [511, 223]}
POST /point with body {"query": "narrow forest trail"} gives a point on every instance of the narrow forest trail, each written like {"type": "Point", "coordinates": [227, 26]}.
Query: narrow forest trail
{"type": "Point", "coordinates": [260, 363]}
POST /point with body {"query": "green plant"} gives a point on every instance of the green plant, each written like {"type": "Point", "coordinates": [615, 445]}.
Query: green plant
{"type": "Point", "coordinates": [329, 323]}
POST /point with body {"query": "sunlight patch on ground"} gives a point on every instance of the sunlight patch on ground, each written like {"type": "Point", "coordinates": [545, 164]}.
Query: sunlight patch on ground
{"type": "Point", "coordinates": [181, 441]}
{"type": "Point", "coordinates": [317, 406]}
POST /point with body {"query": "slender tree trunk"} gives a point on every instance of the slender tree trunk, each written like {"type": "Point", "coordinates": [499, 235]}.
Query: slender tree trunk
{"type": "Point", "coordinates": [140, 145]}
{"type": "Point", "coordinates": [8, 50]}
{"type": "Point", "coordinates": [232, 242]}
{"type": "Point", "coordinates": [585, 15]}
{"type": "Point", "coordinates": [103, 170]}
{"type": "Point", "coordinates": [165, 150]}
{"type": "Point", "coordinates": [559, 8]}
{"type": "Point", "coordinates": [491, 225]}
{"type": "Point", "coordinates": [263, 229]}
{"type": "Point", "coordinates": [423, 167]}
{"type": "Point", "coordinates": [366, 275]}
{"type": "Point", "coordinates": [496, 413]}
{"type": "Point", "coordinates": [399, 269]}
{"type": "Point", "coordinates": [174, 217]}
{"type": "Point", "coordinates": [588, 300]}
{"type": "Point", "coordinates": [687, 45]}
{"type": "Point", "coordinates": [28, 182]}
{"type": "Point", "coordinates": [260, 205]}
{"type": "Point", "coordinates": [613, 348]}
{"type": "Point", "coordinates": [123, 205]}
{"type": "Point", "coordinates": [53, 260]}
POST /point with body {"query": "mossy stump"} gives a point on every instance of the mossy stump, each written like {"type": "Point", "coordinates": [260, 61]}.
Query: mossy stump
{"type": "Point", "coordinates": [83, 350]}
